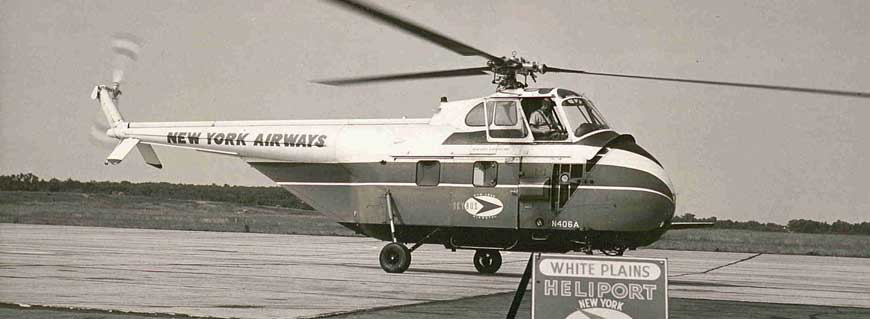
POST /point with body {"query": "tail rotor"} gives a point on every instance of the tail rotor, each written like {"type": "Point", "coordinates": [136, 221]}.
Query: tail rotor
{"type": "Point", "coordinates": [125, 50]}
{"type": "Point", "coordinates": [97, 136]}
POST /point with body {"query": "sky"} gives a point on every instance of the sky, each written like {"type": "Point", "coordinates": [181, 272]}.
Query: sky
{"type": "Point", "coordinates": [732, 153]}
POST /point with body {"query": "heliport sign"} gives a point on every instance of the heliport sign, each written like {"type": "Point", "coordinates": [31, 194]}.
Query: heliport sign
{"type": "Point", "coordinates": [581, 287]}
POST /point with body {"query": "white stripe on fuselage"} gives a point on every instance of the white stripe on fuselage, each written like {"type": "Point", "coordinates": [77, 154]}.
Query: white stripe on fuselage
{"type": "Point", "coordinates": [616, 157]}
{"type": "Point", "coordinates": [621, 188]}
{"type": "Point", "coordinates": [615, 188]}
{"type": "Point", "coordinates": [385, 184]}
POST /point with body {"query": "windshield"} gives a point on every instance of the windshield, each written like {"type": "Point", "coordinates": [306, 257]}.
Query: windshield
{"type": "Point", "coordinates": [582, 116]}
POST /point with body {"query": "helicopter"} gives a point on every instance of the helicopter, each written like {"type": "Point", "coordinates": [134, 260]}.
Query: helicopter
{"type": "Point", "coordinates": [482, 174]}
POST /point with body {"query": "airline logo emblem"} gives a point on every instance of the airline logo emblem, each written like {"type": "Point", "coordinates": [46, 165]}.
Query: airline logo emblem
{"type": "Point", "coordinates": [483, 206]}
{"type": "Point", "coordinates": [597, 313]}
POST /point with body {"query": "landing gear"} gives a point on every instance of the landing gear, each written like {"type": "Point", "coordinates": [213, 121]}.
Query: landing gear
{"type": "Point", "coordinates": [396, 258]}
{"type": "Point", "coordinates": [613, 251]}
{"type": "Point", "coordinates": [487, 261]}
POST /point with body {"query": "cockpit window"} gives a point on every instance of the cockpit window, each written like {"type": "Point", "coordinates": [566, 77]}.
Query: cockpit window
{"type": "Point", "coordinates": [563, 93]}
{"type": "Point", "coordinates": [583, 116]}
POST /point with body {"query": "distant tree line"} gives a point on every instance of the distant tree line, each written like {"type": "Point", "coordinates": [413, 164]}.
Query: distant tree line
{"type": "Point", "coordinates": [247, 195]}
{"type": "Point", "coordinates": [794, 225]}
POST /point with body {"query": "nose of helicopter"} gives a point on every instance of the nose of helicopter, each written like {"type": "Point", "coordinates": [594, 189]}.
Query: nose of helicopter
{"type": "Point", "coordinates": [626, 190]}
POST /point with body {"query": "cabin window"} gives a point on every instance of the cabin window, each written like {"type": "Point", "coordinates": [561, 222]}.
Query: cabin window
{"type": "Point", "coordinates": [428, 173]}
{"type": "Point", "coordinates": [485, 174]}
{"type": "Point", "coordinates": [475, 116]}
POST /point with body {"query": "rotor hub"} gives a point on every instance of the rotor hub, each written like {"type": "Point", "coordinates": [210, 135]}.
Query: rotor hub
{"type": "Point", "coordinates": [505, 72]}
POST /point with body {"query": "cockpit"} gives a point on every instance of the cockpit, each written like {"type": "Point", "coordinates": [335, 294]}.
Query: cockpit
{"type": "Point", "coordinates": [583, 116]}
{"type": "Point", "coordinates": [536, 115]}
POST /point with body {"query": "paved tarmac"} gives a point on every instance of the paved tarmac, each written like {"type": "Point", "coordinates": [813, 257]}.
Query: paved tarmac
{"type": "Point", "coordinates": [279, 276]}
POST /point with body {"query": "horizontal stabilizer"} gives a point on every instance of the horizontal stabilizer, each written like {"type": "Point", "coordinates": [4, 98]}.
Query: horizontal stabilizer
{"type": "Point", "coordinates": [149, 155]}
{"type": "Point", "coordinates": [688, 225]}
{"type": "Point", "coordinates": [121, 151]}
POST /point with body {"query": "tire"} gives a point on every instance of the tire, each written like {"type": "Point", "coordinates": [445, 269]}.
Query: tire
{"type": "Point", "coordinates": [487, 261]}
{"type": "Point", "coordinates": [395, 258]}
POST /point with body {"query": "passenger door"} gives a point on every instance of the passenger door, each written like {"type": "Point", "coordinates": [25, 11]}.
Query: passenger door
{"type": "Point", "coordinates": [491, 200]}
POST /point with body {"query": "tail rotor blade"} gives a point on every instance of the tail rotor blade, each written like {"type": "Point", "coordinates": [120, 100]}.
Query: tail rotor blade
{"type": "Point", "coordinates": [98, 138]}
{"type": "Point", "coordinates": [97, 135]}
{"type": "Point", "coordinates": [126, 49]}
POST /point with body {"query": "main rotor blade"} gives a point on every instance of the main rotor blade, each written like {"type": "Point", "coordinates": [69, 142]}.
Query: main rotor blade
{"type": "Point", "coordinates": [413, 28]}
{"type": "Point", "coordinates": [406, 76]}
{"type": "Point", "coordinates": [737, 84]}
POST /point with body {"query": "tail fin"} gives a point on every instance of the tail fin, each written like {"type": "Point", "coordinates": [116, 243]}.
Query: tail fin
{"type": "Point", "coordinates": [149, 155]}
{"type": "Point", "coordinates": [121, 150]}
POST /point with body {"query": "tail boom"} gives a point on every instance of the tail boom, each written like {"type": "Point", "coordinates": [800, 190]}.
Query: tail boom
{"type": "Point", "coordinates": [108, 97]}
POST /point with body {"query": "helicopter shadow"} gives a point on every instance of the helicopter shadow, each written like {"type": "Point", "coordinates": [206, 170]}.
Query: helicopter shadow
{"type": "Point", "coordinates": [462, 272]}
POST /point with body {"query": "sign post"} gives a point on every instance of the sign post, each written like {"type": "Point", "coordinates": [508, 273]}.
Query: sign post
{"type": "Point", "coordinates": [580, 286]}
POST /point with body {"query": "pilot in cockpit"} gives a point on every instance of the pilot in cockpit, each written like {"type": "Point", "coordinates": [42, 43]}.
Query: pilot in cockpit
{"type": "Point", "coordinates": [543, 122]}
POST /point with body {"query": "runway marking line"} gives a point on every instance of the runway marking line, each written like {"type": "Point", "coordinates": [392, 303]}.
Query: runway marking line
{"type": "Point", "coordinates": [719, 267]}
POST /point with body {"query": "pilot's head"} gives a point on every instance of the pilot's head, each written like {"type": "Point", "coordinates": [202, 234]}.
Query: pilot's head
{"type": "Point", "coordinates": [547, 104]}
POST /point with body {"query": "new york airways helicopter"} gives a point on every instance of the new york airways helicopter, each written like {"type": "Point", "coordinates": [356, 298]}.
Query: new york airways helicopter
{"type": "Point", "coordinates": [522, 169]}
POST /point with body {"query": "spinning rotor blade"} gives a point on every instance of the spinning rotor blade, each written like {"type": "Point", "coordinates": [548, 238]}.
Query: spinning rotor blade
{"type": "Point", "coordinates": [414, 29]}
{"type": "Point", "coordinates": [125, 51]}
{"type": "Point", "coordinates": [547, 69]}
{"type": "Point", "coordinates": [126, 48]}
{"type": "Point", "coordinates": [97, 135]}
{"type": "Point", "coordinates": [406, 76]}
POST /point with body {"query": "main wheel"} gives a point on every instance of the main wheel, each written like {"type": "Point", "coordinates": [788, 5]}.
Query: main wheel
{"type": "Point", "coordinates": [487, 261]}
{"type": "Point", "coordinates": [395, 258]}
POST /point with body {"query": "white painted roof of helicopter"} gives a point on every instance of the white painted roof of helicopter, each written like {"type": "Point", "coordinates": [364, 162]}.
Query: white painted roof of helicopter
{"type": "Point", "coordinates": [535, 92]}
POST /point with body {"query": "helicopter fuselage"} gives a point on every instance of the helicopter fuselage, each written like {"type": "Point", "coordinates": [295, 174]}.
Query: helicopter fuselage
{"type": "Point", "coordinates": [455, 179]}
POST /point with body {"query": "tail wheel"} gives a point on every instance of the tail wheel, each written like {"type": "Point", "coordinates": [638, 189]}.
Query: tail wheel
{"type": "Point", "coordinates": [395, 258]}
{"type": "Point", "coordinates": [487, 261]}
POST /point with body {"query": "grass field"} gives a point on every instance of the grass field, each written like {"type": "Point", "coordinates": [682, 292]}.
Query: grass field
{"type": "Point", "coordinates": [101, 210]}
{"type": "Point", "coordinates": [733, 240]}
{"type": "Point", "coordinates": [144, 212]}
